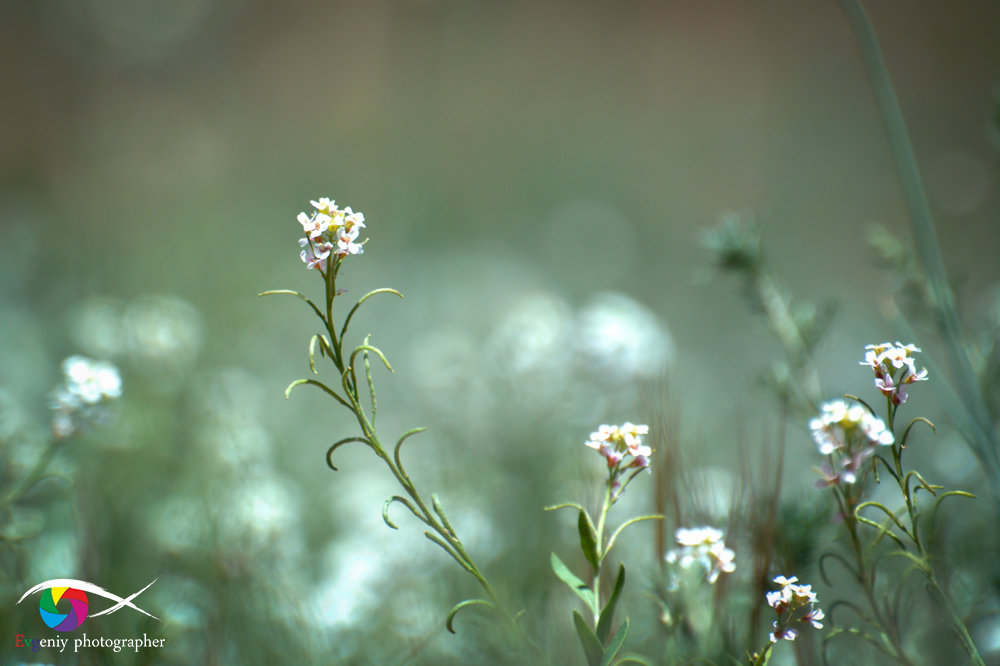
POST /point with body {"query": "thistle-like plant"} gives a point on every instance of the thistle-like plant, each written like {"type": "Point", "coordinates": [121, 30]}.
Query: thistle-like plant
{"type": "Point", "coordinates": [853, 438]}
{"type": "Point", "coordinates": [331, 238]}
{"type": "Point", "coordinates": [626, 456]}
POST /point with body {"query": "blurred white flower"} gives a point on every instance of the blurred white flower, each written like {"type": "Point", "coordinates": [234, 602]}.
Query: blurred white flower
{"type": "Point", "coordinates": [87, 387]}
{"type": "Point", "coordinates": [705, 547]}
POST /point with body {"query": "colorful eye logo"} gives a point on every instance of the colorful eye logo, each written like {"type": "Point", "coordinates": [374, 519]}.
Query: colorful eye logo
{"type": "Point", "coordinates": [73, 600]}
{"type": "Point", "coordinates": [72, 594]}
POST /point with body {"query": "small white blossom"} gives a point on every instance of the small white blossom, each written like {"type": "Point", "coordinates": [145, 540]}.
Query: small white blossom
{"type": "Point", "coordinates": [345, 241]}
{"type": "Point", "coordinates": [704, 546]}
{"type": "Point", "coordinates": [87, 386]}
{"type": "Point", "coordinates": [314, 226]}
{"type": "Point", "coordinates": [894, 368]}
{"type": "Point", "coordinates": [793, 604]}
{"type": "Point", "coordinates": [848, 433]}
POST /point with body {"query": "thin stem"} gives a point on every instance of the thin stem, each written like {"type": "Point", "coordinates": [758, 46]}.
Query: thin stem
{"type": "Point", "coordinates": [866, 581]}
{"type": "Point", "coordinates": [34, 476]}
{"type": "Point", "coordinates": [605, 506]}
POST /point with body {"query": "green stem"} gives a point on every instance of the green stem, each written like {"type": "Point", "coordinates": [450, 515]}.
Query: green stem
{"type": "Point", "coordinates": [602, 519]}
{"type": "Point", "coordinates": [34, 476]}
{"type": "Point", "coordinates": [888, 631]}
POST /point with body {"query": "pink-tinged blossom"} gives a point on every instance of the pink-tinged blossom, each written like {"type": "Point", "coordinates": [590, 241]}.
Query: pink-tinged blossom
{"type": "Point", "coordinates": [794, 605]}
{"type": "Point", "coordinates": [849, 435]}
{"type": "Point", "coordinates": [622, 449]}
{"type": "Point", "coordinates": [314, 226]}
{"type": "Point", "coordinates": [345, 241]}
{"type": "Point", "coordinates": [330, 230]}
{"type": "Point", "coordinates": [314, 255]}
{"type": "Point", "coordinates": [894, 367]}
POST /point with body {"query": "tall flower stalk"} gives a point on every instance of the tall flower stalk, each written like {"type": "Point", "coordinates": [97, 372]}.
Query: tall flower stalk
{"type": "Point", "coordinates": [851, 434]}
{"type": "Point", "coordinates": [331, 239]}
{"type": "Point", "coordinates": [626, 456]}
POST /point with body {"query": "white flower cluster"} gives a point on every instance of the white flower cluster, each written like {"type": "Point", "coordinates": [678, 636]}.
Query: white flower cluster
{"type": "Point", "coordinates": [705, 547]}
{"type": "Point", "coordinates": [849, 434]}
{"type": "Point", "coordinates": [87, 386]}
{"type": "Point", "coordinates": [615, 442]}
{"type": "Point", "coordinates": [329, 231]}
{"type": "Point", "coordinates": [789, 602]}
{"type": "Point", "coordinates": [894, 369]}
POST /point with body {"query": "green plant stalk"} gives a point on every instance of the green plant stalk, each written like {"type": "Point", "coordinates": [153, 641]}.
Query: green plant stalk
{"type": "Point", "coordinates": [984, 443]}
{"type": "Point", "coordinates": [958, 625]}
{"type": "Point", "coordinates": [34, 476]}
{"type": "Point", "coordinates": [890, 632]}
{"type": "Point", "coordinates": [443, 534]}
{"type": "Point", "coordinates": [601, 520]}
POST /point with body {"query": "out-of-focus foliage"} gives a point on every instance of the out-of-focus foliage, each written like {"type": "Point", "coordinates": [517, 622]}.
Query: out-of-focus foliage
{"type": "Point", "coordinates": [539, 173]}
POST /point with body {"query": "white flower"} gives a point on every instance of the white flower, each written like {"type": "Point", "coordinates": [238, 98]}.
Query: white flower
{"type": "Point", "coordinates": [314, 254]}
{"type": "Point", "coordinates": [91, 381]}
{"type": "Point", "coordinates": [314, 226]}
{"type": "Point", "coordinates": [697, 536]}
{"type": "Point", "coordinates": [352, 219]}
{"type": "Point", "coordinates": [324, 205]}
{"type": "Point", "coordinates": [345, 241]}
{"type": "Point", "coordinates": [788, 634]}
{"type": "Point", "coordinates": [705, 546]}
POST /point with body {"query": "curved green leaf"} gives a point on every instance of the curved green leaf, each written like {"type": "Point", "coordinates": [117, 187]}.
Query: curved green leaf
{"type": "Point", "coordinates": [851, 396]}
{"type": "Point", "coordinates": [614, 537]}
{"type": "Point", "coordinates": [881, 507]}
{"type": "Point", "coordinates": [608, 612]}
{"type": "Point", "coordinates": [574, 583]}
{"type": "Point", "coordinates": [591, 646]}
{"type": "Point", "coordinates": [289, 292]}
{"type": "Point", "coordinates": [374, 350]}
{"type": "Point", "coordinates": [439, 510]}
{"type": "Point", "coordinates": [319, 384]}
{"type": "Point", "coordinates": [346, 440]}
{"type": "Point", "coordinates": [464, 604]}
{"type": "Point", "coordinates": [616, 644]}
{"type": "Point", "coordinates": [388, 503]}
{"type": "Point", "coordinates": [634, 659]}
{"type": "Point", "coordinates": [350, 315]}
{"type": "Point", "coordinates": [906, 433]}
{"type": "Point", "coordinates": [588, 539]}
{"type": "Point", "coordinates": [840, 558]}
{"type": "Point", "coordinates": [406, 435]}
{"type": "Point", "coordinates": [564, 505]}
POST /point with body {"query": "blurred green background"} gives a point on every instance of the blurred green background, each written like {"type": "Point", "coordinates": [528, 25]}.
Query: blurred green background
{"type": "Point", "coordinates": [535, 176]}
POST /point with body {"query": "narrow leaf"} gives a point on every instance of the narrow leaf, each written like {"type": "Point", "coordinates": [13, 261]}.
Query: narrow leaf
{"type": "Point", "coordinates": [616, 644]}
{"type": "Point", "coordinates": [588, 540]}
{"type": "Point", "coordinates": [634, 659]}
{"type": "Point", "coordinates": [350, 315]}
{"type": "Point", "coordinates": [608, 613]}
{"type": "Point", "coordinates": [614, 537]}
{"type": "Point", "coordinates": [591, 646]}
{"type": "Point", "coordinates": [289, 292]}
{"type": "Point", "coordinates": [346, 440]}
{"type": "Point", "coordinates": [460, 606]}
{"type": "Point", "coordinates": [574, 583]}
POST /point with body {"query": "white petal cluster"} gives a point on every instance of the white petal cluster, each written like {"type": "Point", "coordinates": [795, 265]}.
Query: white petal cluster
{"type": "Point", "coordinates": [849, 434]}
{"type": "Point", "coordinates": [793, 604]}
{"type": "Point", "coordinates": [87, 386]}
{"type": "Point", "coordinates": [329, 230]}
{"type": "Point", "coordinates": [703, 547]}
{"type": "Point", "coordinates": [894, 368]}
